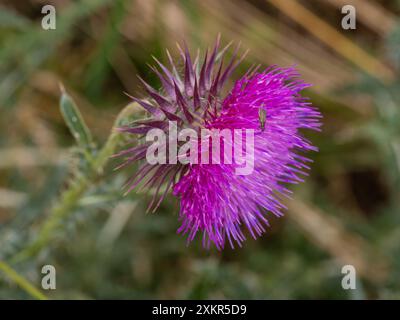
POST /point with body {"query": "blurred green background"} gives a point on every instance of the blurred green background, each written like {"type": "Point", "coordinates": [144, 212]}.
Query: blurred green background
{"type": "Point", "coordinates": [105, 245]}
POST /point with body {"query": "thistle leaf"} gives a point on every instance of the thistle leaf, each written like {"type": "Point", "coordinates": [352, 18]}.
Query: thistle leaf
{"type": "Point", "coordinates": [75, 123]}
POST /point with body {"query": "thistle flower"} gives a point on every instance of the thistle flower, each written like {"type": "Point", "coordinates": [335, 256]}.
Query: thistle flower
{"type": "Point", "coordinates": [214, 200]}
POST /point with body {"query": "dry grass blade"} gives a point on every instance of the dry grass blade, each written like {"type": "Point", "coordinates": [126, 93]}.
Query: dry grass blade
{"type": "Point", "coordinates": [331, 37]}
{"type": "Point", "coordinates": [372, 14]}
{"type": "Point", "coordinates": [31, 157]}
{"type": "Point", "coordinates": [331, 236]}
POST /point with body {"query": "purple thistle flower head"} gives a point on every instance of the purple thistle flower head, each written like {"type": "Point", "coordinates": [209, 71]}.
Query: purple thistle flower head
{"type": "Point", "coordinates": [214, 200]}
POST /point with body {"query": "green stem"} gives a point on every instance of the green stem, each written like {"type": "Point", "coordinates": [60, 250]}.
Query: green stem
{"type": "Point", "coordinates": [76, 190]}
{"type": "Point", "coordinates": [22, 282]}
